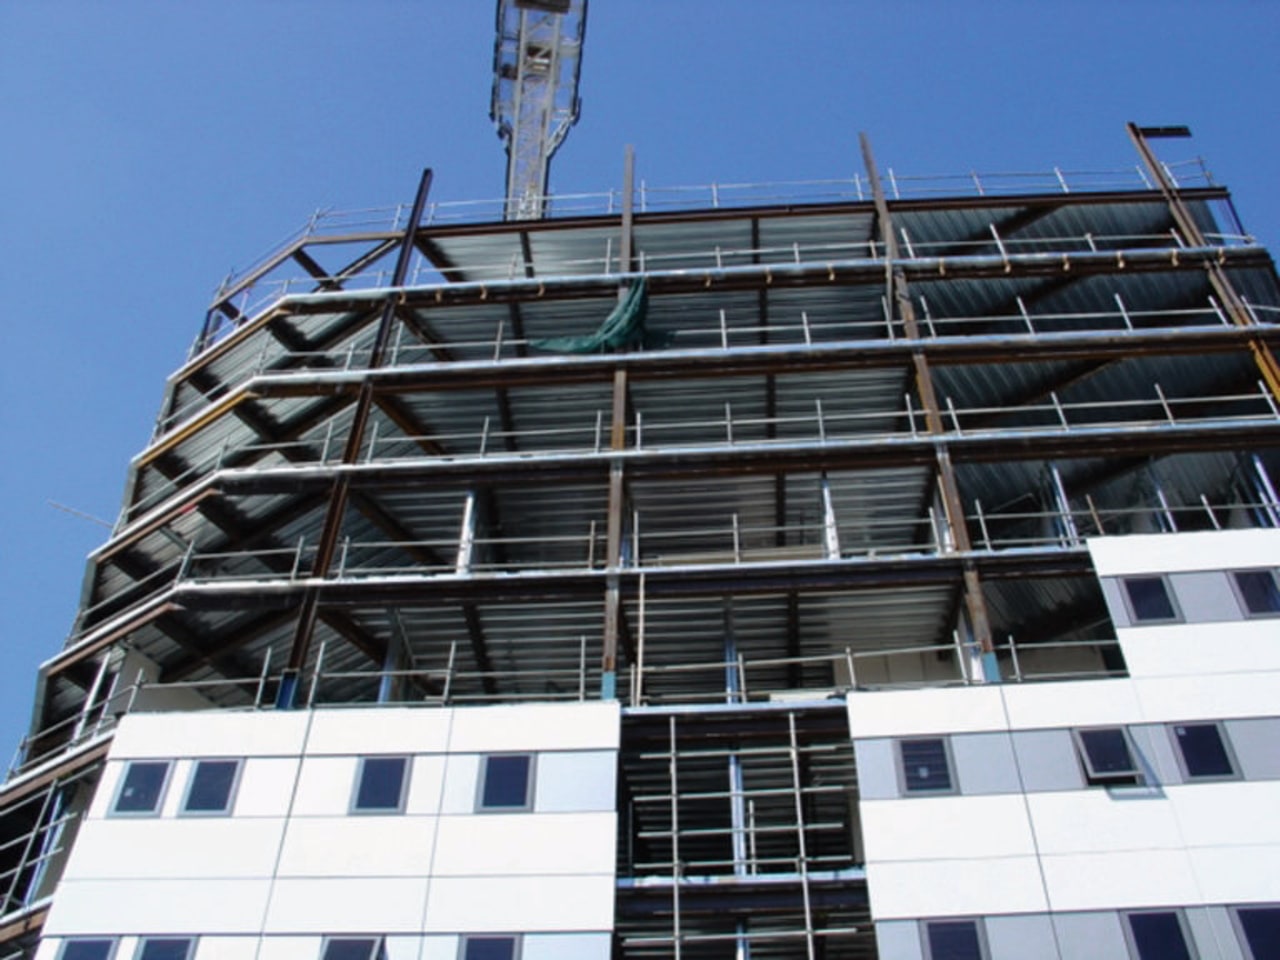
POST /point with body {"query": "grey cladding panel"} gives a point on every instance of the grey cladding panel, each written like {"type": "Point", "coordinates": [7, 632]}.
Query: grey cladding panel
{"type": "Point", "coordinates": [1047, 760]}
{"type": "Point", "coordinates": [877, 769]}
{"type": "Point", "coordinates": [1155, 753]}
{"type": "Point", "coordinates": [1017, 938]}
{"type": "Point", "coordinates": [898, 940]}
{"type": "Point", "coordinates": [1090, 936]}
{"type": "Point", "coordinates": [985, 763]}
{"type": "Point", "coordinates": [1206, 597]}
{"type": "Point", "coordinates": [1112, 593]}
{"type": "Point", "coordinates": [1255, 742]}
{"type": "Point", "coordinates": [1210, 927]}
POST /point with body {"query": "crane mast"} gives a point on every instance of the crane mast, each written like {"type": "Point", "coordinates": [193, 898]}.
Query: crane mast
{"type": "Point", "coordinates": [537, 59]}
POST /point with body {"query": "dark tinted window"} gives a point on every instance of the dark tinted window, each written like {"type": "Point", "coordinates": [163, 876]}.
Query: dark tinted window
{"type": "Point", "coordinates": [924, 765]}
{"type": "Point", "coordinates": [157, 948]}
{"type": "Point", "coordinates": [954, 940]}
{"type": "Point", "coordinates": [1259, 592]}
{"type": "Point", "coordinates": [506, 782]}
{"type": "Point", "coordinates": [86, 949]}
{"type": "Point", "coordinates": [381, 783]}
{"type": "Point", "coordinates": [489, 948]}
{"type": "Point", "coordinates": [1261, 928]}
{"type": "Point", "coordinates": [142, 786]}
{"type": "Point", "coordinates": [1158, 936]}
{"type": "Point", "coordinates": [1203, 752]}
{"type": "Point", "coordinates": [1107, 757]}
{"type": "Point", "coordinates": [1149, 599]}
{"type": "Point", "coordinates": [354, 948]}
{"type": "Point", "coordinates": [211, 784]}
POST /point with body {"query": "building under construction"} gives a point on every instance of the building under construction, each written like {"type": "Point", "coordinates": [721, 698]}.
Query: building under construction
{"type": "Point", "coordinates": [867, 568]}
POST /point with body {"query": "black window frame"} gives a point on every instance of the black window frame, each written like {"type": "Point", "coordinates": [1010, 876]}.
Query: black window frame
{"type": "Point", "coordinates": [1131, 777]}
{"type": "Point", "coordinates": [376, 947]}
{"type": "Point", "coordinates": [1243, 597]}
{"type": "Point", "coordinates": [482, 805]}
{"type": "Point", "coordinates": [1242, 935]}
{"type": "Point", "coordinates": [1131, 937]}
{"type": "Point", "coordinates": [975, 923]}
{"type": "Point", "coordinates": [406, 771]}
{"type": "Point", "coordinates": [185, 810]}
{"type": "Point", "coordinates": [140, 953]}
{"type": "Point", "coordinates": [111, 944]}
{"type": "Point", "coordinates": [905, 785]}
{"type": "Point", "coordinates": [161, 791]}
{"type": "Point", "coordinates": [467, 939]}
{"type": "Point", "coordinates": [1179, 749]}
{"type": "Point", "coordinates": [1131, 606]}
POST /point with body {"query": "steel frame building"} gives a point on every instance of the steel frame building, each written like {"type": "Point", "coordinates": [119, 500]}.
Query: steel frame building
{"type": "Point", "coordinates": [865, 444]}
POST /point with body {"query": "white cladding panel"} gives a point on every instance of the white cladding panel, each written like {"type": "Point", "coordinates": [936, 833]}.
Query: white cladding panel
{"type": "Point", "coordinates": [1217, 696]}
{"type": "Point", "coordinates": [346, 905]}
{"type": "Point", "coordinates": [325, 786]}
{"type": "Point", "coordinates": [1230, 813]}
{"type": "Point", "coordinates": [266, 787]}
{"type": "Point", "coordinates": [211, 733]}
{"type": "Point", "coordinates": [1173, 553]}
{"type": "Point", "coordinates": [542, 726]}
{"type": "Point", "coordinates": [1099, 820]}
{"type": "Point", "coordinates": [1080, 703]}
{"type": "Point", "coordinates": [358, 846]}
{"type": "Point", "coordinates": [1182, 649]}
{"type": "Point", "coordinates": [899, 713]}
{"type": "Point", "coordinates": [526, 844]}
{"type": "Point", "coordinates": [387, 730]}
{"type": "Point", "coordinates": [1238, 874]}
{"type": "Point", "coordinates": [159, 906]}
{"type": "Point", "coordinates": [230, 948]}
{"type": "Point", "coordinates": [460, 779]}
{"type": "Point", "coordinates": [289, 948]}
{"type": "Point", "coordinates": [1139, 878]}
{"type": "Point", "coordinates": [573, 782]}
{"type": "Point", "coordinates": [498, 904]}
{"type": "Point", "coordinates": [191, 848]}
{"type": "Point", "coordinates": [426, 785]}
{"type": "Point", "coordinates": [938, 888]}
{"type": "Point", "coordinates": [945, 828]}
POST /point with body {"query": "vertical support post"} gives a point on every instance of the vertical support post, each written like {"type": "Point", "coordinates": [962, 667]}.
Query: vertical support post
{"type": "Point", "coordinates": [628, 208]}
{"type": "Point", "coordinates": [466, 536]}
{"type": "Point", "coordinates": [613, 542]}
{"type": "Point", "coordinates": [673, 773]}
{"type": "Point", "coordinates": [801, 843]}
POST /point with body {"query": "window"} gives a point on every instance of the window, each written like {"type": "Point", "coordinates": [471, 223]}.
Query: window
{"type": "Point", "coordinates": [926, 768]}
{"type": "Point", "coordinates": [354, 948]}
{"type": "Point", "coordinates": [1158, 935]}
{"type": "Point", "coordinates": [489, 948]}
{"type": "Point", "coordinates": [1149, 600]}
{"type": "Point", "coordinates": [85, 949]}
{"type": "Point", "coordinates": [380, 785]}
{"type": "Point", "coordinates": [165, 948]}
{"type": "Point", "coordinates": [506, 783]}
{"type": "Point", "coordinates": [1203, 751]}
{"type": "Point", "coordinates": [1108, 756]}
{"type": "Point", "coordinates": [953, 940]}
{"type": "Point", "coordinates": [141, 787]}
{"type": "Point", "coordinates": [211, 787]}
{"type": "Point", "coordinates": [1258, 592]}
{"type": "Point", "coordinates": [1260, 930]}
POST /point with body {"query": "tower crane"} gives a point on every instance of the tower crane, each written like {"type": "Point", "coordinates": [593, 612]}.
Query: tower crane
{"type": "Point", "coordinates": [537, 59]}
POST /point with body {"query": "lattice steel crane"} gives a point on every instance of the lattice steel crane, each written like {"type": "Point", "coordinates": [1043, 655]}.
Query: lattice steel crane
{"type": "Point", "coordinates": [537, 59]}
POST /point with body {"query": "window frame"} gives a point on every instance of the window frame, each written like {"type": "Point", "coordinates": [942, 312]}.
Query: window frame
{"type": "Point", "coordinates": [161, 792]}
{"type": "Point", "coordinates": [406, 773]}
{"type": "Point", "coordinates": [516, 940]}
{"type": "Point", "coordinates": [139, 952]}
{"type": "Point", "coordinates": [1135, 777]}
{"type": "Point", "coordinates": [1250, 614]}
{"type": "Point", "coordinates": [377, 946]}
{"type": "Point", "coordinates": [229, 805]}
{"type": "Point", "coordinates": [113, 944]}
{"type": "Point", "coordinates": [1223, 739]}
{"type": "Point", "coordinates": [904, 787]}
{"type": "Point", "coordinates": [530, 784]}
{"type": "Point", "coordinates": [1238, 925]}
{"type": "Point", "coordinates": [1130, 940]}
{"type": "Point", "coordinates": [1170, 595]}
{"type": "Point", "coordinates": [979, 928]}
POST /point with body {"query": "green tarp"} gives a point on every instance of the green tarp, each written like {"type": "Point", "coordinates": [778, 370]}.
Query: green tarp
{"type": "Point", "coordinates": [624, 327]}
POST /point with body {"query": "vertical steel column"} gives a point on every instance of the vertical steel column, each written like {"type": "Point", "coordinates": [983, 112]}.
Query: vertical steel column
{"type": "Point", "coordinates": [802, 847]}
{"type": "Point", "coordinates": [287, 696]}
{"type": "Point", "coordinates": [900, 297]}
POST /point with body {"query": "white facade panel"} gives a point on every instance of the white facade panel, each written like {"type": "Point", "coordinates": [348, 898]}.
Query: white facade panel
{"type": "Point", "coordinates": [426, 785]}
{"type": "Point", "coordinates": [289, 948]}
{"type": "Point", "coordinates": [1139, 878]}
{"type": "Point", "coordinates": [1080, 703]}
{"type": "Point", "coordinates": [499, 904]}
{"type": "Point", "coordinates": [1243, 646]}
{"type": "Point", "coordinates": [461, 775]}
{"type": "Point", "coordinates": [358, 846]}
{"type": "Point", "coordinates": [166, 906]}
{"type": "Point", "coordinates": [230, 948]}
{"type": "Point", "coordinates": [898, 713]}
{"type": "Point", "coordinates": [1230, 813]}
{"type": "Point", "coordinates": [105, 792]}
{"type": "Point", "coordinates": [576, 782]}
{"type": "Point", "coordinates": [526, 844]}
{"type": "Point", "coordinates": [945, 828]}
{"type": "Point", "coordinates": [346, 905]}
{"type": "Point", "coordinates": [543, 726]}
{"type": "Point", "coordinates": [325, 787]}
{"type": "Point", "coordinates": [1096, 820]}
{"type": "Point", "coordinates": [392, 729]}
{"type": "Point", "coordinates": [1238, 874]}
{"type": "Point", "coordinates": [934, 888]}
{"type": "Point", "coordinates": [190, 848]}
{"type": "Point", "coordinates": [211, 733]}
{"type": "Point", "coordinates": [266, 787]}
{"type": "Point", "coordinates": [1203, 550]}
{"type": "Point", "coordinates": [1217, 696]}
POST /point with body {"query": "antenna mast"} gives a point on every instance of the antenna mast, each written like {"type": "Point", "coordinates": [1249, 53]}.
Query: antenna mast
{"type": "Point", "coordinates": [537, 59]}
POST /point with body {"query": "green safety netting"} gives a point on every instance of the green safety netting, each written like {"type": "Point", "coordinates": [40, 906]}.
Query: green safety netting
{"type": "Point", "coordinates": [622, 328]}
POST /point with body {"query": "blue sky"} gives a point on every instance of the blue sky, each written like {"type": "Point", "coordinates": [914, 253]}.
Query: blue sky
{"type": "Point", "coordinates": [149, 147]}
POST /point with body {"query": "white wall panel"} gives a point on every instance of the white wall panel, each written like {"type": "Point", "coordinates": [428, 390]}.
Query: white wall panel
{"type": "Point", "coordinates": [266, 787]}
{"type": "Point", "coordinates": [382, 729]}
{"type": "Point", "coordinates": [526, 843]}
{"type": "Point", "coordinates": [460, 778]}
{"type": "Point", "coordinates": [190, 848]}
{"type": "Point", "coordinates": [343, 904]}
{"type": "Point", "coordinates": [1219, 696]}
{"type": "Point", "coordinates": [940, 888]}
{"type": "Point", "coordinates": [48, 948]}
{"type": "Point", "coordinates": [1196, 649]}
{"type": "Point", "coordinates": [1098, 881]}
{"type": "Point", "coordinates": [443, 947]}
{"type": "Point", "coordinates": [542, 726]}
{"type": "Point", "coordinates": [1238, 874]}
{"type": "Point", "coordinates": [158, 906]}
{"type": "Point", "coordinates": [105, 792]}
{"type": "Point", "coordinates": [232, 948]}
{"type": "Point", "coordinates": [358, 846]}
{"type": "Point", "coordinates": [426, 785]}
{"type": "Point", "coordinates": [211, 733]}
{"type": "Point", "coordinates": [1096, 820]}
{"type": "Point", "coordinates": [497, 904]}
{"type": "Point", "coordinates": [1228, 813]}
{"type": "Point", "coordinates": [576, 781]}
{"type": "Point", "coordinates": [1079, 703]}
{"type": "Point", "coordinates": [896, 713]}
{"type": "Point", "coordinates": [325, 786]}
{"type": "Point", "coordinates": [290, 948]}
{"type": "Point", "coordinates": [1169, 553]}
{"type": "Point", "coordinates": [923, 828]}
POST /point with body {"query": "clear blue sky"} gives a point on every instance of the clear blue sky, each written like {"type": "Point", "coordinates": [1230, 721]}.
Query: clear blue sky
{"type": "Point", "coordinates": [151, 146]}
